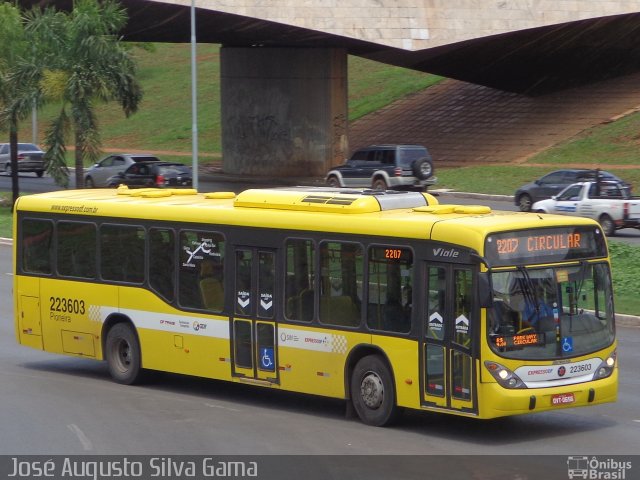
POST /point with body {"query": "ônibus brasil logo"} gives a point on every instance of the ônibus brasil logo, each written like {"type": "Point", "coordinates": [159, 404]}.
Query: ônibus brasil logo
{"type": "Point", "coordinates": [597, 469]}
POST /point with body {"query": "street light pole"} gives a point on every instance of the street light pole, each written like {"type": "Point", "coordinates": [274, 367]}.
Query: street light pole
{"type": "Point", "coordinates": [194, 99]}
{"type": "Point", "coordinates": [34, 124]}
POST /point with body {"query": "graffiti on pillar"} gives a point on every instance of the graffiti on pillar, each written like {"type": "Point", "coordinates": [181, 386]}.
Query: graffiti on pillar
{"type": "Point", "coordinates": [260, 139]}
{"type": "Point", "coordinates": [264, 127]}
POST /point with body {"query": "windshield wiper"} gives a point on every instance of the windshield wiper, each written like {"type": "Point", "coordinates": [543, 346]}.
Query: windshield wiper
{"type": "Point", "coordinates": [529, 293]}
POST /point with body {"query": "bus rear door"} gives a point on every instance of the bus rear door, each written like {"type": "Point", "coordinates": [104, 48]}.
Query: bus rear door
{"type": "Point", "coordinates": [447, 347]}
{"type": "Point", "coordinates": [253, 329]}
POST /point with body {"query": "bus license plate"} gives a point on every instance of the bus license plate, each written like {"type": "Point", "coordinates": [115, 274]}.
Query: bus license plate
{"type": "Point", "coordinates": [562, 399]}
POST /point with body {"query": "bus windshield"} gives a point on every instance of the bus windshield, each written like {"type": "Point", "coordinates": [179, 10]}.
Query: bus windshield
{"type": "Point", "coordinates": [549, 313]}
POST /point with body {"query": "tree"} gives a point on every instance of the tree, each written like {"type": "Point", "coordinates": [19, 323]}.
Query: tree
{"type": "Point", "coordinates": [13, 45]}
{"type": "Point", "coordinates": [86, 63]}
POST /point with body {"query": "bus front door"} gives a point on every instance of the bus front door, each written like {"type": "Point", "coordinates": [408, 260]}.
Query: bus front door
{"type": "Point", "coordinates": [253, 329]}
{"type": "Point", "coordinates": [447, 356]}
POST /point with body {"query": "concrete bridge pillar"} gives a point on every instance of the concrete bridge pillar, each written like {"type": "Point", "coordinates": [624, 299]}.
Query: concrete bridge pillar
{"type": "Point", "coordinates": [283, 110]}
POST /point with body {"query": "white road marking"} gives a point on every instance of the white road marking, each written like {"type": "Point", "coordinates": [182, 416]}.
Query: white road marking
{"type": "Point", "coordinates": [86, 443]}
{"type": "Point", "coordinates": [223, 408]}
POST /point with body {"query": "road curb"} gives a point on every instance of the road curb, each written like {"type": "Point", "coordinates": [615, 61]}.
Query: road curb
{"type": "Point", "coordinates": [479, 196]}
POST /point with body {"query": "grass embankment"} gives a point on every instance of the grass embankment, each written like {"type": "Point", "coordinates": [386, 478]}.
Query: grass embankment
{"type": "Point", "coordinates": [612, 145]}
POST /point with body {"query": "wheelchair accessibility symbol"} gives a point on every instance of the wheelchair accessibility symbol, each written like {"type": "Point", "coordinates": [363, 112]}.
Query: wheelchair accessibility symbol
{"type": "Point", "coordinates": [567, 344]}
{"type": "Point", "coordinates": [267, 359]}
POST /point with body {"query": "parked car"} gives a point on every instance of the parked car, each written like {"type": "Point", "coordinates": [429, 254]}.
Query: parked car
{"type": "Point", "coordinates": [99, 174]}
{"type": "Point", "coordinates": [382, 167]}
{"type": "Point", "coordinates": [554, 182]}
{"type": "Point", "coordinates": [30, 158]}
{"type": "Point", "coordinates": [154, 174]}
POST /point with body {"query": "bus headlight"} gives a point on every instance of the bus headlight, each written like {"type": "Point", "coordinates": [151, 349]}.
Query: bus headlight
{"type": "Point", "coordinates": [504, 376]}
{"type": "Point", "coordinates": [606, 367]}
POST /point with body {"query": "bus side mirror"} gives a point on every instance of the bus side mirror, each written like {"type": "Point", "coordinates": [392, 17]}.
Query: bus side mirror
{"type": "Point", "coordinates": [485, 290]}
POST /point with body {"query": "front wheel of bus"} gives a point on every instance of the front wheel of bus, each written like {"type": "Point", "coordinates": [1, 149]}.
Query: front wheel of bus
{"type": "Point", "coordinates": [123, 354]}
{"type": "Point", "coordinates": [373, 393]}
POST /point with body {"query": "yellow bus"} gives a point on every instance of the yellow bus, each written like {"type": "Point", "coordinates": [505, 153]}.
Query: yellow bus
{"type": "Point", "coordinates": [388, 300]}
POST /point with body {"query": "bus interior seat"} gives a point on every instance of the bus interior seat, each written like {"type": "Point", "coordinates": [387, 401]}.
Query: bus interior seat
{"type": "Point", "coordinates": [394, 317]}
{"type": "Point", "coordinates": [340, 310]}
{"type": "Point", "coordinates": [292, 309]}
{"type": "Point", "coordinates": [212, 293]}
{"type": "Point", "coordinates": [306, 305]}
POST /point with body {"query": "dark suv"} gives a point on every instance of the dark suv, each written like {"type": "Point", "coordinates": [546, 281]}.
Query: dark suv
{"type": "Point", "coordinates": [154, 174]}
{"type": "Point", "coordinates": [381, 167]}
{"type": "Point", "coordinates": [554, 182]}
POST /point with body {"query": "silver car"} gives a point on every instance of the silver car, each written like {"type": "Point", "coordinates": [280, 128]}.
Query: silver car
{"type": "Point", "coordinates": [106, 168]}
{"type": "Point", "coordinates": [30, 158]}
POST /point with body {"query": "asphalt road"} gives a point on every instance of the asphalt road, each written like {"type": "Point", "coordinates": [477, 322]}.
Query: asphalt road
{"type": "Point", "coordinates": [52, 404]}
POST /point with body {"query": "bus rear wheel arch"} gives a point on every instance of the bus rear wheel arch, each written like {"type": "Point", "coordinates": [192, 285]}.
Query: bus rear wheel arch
{"type": "Point", "coordinates": [123, 354]}
{"type": "Point", "coordinates": [373, 392]}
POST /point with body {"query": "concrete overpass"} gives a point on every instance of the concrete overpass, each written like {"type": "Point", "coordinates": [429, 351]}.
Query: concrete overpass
{"type": "Point", "coordinates": [284, 69]}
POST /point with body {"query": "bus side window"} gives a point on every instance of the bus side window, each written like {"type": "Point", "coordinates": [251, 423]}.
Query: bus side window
{"type": "Point", "coordinates": [122, 256]}
{"type": "Point", "coordinates": [341, 266]}
{"type": "Point", "coordinates": [389, 289]}
{"type": "Point", "coordinates": [76, 247]}
{"type": "Point", "coordinates": [201, 271]}
{"type": "Point", "coordinates": [299, 287]}
{"type": "Point", "coordinates": [36, 242]}
{"type": "Point", "coordinates": [162, 259]}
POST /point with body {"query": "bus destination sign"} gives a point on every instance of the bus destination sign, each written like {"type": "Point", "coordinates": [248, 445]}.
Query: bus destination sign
{"type": "Point", "coordinates": [512, 342]}
{"type": "Point", "coordinates": [544, 245]}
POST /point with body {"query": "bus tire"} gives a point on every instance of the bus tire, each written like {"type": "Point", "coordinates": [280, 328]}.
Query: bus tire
{"type": "Point", "coordinates": [123, 354]}
{"type": "Point", "coordinates": [373, 392]}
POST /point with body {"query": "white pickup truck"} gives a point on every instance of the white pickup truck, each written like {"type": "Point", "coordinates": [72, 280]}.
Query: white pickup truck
{"type": "Point", "coordinates": [610, 203]}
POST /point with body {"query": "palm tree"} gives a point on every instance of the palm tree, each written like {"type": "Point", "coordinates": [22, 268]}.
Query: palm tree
{"type": "Point", "coordinates": [14, 106]}
{"type": "Point", "coordinates": [86, 63]}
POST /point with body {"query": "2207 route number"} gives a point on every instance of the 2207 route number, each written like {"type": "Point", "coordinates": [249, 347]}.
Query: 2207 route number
{"type": "Point", "coordinates": [66, 305]}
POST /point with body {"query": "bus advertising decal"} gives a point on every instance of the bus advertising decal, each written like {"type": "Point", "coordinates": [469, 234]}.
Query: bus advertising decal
{"type": "Point", "coordinates": [316, 341]}
{"type": "Point", "coordinates": [568, 373]}
{"type": "Point", "coordinates": [166, 322]}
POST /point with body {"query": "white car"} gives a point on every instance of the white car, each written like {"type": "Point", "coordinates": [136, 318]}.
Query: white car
{"type": "Point", "coordinates": [99, 174]}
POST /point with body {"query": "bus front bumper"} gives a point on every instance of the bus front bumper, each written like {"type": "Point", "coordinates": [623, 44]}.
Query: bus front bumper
{"type": "Point", "coordinates": [497, 401]}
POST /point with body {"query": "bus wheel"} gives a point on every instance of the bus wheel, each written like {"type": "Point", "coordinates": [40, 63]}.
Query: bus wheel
{"type": "Point", "coordinates": [372, 392]}
{"type": "Point", "coordinates": [123, 354]}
